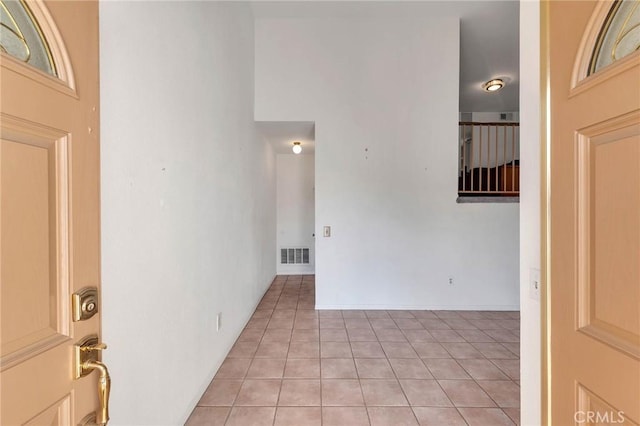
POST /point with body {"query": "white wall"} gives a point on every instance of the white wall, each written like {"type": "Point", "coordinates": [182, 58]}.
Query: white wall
{"type": "Point", "coordinates": [530, 370]}
{"type": "Point", "coordinates": [295, 179]}
{"type": "Point", "coordinates": [490, 136]}
{"type": "Point", "coordinates": [384, 95]}
{"type": "Point", "coordinates": [489, 146]}
{"type": "Point", "coordinates": [492, 145]}
{"type": "Point", "coordinates": [493, 117]}
{"type": "Point", "coordinates": [188, 200]}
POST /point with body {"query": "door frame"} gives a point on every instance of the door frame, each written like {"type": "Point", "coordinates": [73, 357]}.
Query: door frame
{"type": "Point", "coordinates": [545, 220]}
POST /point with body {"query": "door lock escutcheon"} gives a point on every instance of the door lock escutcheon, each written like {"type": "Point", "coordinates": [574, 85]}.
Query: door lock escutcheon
{"type": "Point", "coordinates": [84, 303]}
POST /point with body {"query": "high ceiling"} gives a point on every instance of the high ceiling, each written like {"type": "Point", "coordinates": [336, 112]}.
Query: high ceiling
{"type": "Point", "coordinates": [281, 134]}
{"type": "Point", "coordinates": [489, 41]}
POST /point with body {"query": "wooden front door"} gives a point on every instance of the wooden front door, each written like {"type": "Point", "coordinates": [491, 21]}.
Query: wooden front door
{"type": "Point", "coordinates": [49, 209]}
{"type": "Point", "coordinates": [594, 270]}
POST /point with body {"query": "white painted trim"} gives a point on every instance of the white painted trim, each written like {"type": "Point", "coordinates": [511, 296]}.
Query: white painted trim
{"type": "Point", "coordinates": [297, 273]}
{"type": "Point", "coordinates": [422, 307]}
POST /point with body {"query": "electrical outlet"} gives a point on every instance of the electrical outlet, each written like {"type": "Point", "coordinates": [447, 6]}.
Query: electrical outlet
{"type": "Point", "coordinates": [534, 284]}
{"type": "Point", "coordinates": [219, 321]}
{"type": "Point", "coordinates": [450, 280]}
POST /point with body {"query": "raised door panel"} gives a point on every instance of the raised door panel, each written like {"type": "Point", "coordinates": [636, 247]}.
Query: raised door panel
{"type": "Point", "coordinates": [34, 240]}
{"type": "Point", "coordinates": [608, 243]}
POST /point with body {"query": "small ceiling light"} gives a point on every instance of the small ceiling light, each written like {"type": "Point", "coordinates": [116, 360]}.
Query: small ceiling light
{"type": "Point", "coordinates": [493, 85]}
{"type": "Point", "coordinates": [297, 149]}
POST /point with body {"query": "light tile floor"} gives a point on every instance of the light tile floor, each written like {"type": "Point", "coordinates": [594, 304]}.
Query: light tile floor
{"type": "Point", "coordinates": [293, 365]}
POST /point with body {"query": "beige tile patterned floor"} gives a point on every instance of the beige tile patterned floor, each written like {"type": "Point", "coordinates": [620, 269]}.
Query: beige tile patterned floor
{"type": "Point", "coordinates": [293, 365]}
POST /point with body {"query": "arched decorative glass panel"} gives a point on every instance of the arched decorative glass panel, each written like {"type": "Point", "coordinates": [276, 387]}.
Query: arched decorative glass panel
{"type": "Point", "coordinates": [620, 34]}
{"type": "Point", "coordinates": [21, 37]}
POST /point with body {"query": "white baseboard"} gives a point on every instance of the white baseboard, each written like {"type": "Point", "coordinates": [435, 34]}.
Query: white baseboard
{"type": "Point", "coordinates": [296, 273]}
{"type": "Point", "coordinates": [422, 307]}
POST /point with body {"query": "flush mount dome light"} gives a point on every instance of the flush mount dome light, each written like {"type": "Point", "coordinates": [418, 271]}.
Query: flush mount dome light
{"type": "Point", "coordinates": [297, 149]}
{"type": "Point", "coordinates": [493, 85]}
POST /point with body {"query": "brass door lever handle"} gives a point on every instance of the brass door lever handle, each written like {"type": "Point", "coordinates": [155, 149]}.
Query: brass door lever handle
{"type": "Point", "coordinates": [86, 360]}
{"type": "Point", "coordinates": [96, 347]}
{"type": "Point", "coordinates": [104, 388]}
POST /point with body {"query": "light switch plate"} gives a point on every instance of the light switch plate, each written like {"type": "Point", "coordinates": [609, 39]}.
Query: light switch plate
{"type": "Point", "coordinates": [327, 231]}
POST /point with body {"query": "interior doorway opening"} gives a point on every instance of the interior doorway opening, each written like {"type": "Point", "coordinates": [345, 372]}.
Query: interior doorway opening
{"type": "Point", "coordinates": [295, 194]}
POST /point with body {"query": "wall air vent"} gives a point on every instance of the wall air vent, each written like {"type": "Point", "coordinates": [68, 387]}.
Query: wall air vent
{"type": "Point", "coordinates": [292, 256]}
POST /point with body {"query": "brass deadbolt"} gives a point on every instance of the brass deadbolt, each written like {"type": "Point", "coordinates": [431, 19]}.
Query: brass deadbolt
{"type": "Point", "coordinates": [84, 303]}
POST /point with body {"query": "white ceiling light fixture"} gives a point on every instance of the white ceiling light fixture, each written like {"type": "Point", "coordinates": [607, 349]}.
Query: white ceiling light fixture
{"type": "Point", "coordinates": [493, 85]}
{"type": "Point", "coordinates": [297, 149]}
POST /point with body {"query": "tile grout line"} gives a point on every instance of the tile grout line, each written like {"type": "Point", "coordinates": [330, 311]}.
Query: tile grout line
{"type": "Point", "coordinates": [398, 379]}
{"type": "Point", "coordinates": [320, 366]}
{"type": "Point", "coordinates": [364, 402]}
